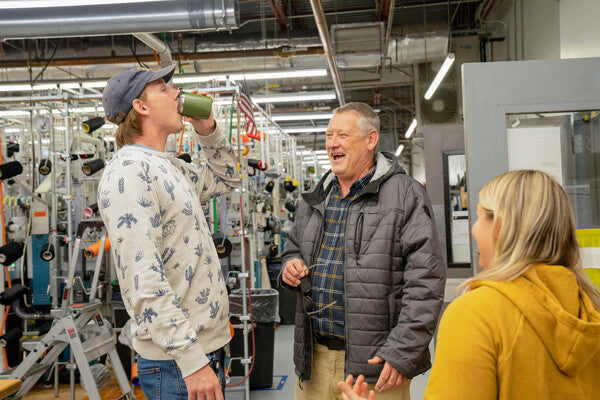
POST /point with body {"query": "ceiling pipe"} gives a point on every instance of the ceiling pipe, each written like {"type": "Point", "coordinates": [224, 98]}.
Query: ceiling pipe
{"type": "Point", "coordinates": [146, 58]}
{"type": "Point", "coordinates": [388, 33]}
{"type": "Point", "coordinates": [119, 18]}
{"type": "Point", "coordinates": [317, 9]}
{"type": "Point", "coordinates": [158, 45]}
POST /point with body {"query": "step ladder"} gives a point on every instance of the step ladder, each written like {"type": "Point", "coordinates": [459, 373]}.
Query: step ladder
{"type": "Point", "coordinates": [71, 318]}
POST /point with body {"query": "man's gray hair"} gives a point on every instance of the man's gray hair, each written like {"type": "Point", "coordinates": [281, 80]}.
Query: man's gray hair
{"type": "Point", "coordinates": [368, 118]}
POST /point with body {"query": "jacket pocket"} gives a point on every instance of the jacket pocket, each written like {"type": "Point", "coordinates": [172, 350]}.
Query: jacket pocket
{"type": "Point", "coordinates": [358, 233]}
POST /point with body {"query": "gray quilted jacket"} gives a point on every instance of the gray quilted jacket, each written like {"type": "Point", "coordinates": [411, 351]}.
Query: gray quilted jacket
{"type": "Point", "coordinates": [394, 276]}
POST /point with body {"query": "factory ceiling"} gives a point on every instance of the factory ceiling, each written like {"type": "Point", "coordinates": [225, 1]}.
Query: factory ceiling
{"type": "Point", "coordinates": [376, 45]}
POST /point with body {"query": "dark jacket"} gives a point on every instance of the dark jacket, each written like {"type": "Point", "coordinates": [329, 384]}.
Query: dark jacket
{"type": "Point", "coordinates": [394, 276]}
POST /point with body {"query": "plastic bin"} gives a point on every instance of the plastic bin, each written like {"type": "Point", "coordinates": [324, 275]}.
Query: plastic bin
{"type": "Point", "coordinates": [265, 307]}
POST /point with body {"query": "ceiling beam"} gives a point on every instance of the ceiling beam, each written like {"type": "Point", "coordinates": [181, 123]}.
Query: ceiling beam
{"type": "Point", "coordinates": [279, 14]}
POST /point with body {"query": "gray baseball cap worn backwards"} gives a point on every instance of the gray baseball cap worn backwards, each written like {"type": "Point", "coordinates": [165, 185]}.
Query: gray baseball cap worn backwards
{"type": "Point", "coordinates": [126, 86]}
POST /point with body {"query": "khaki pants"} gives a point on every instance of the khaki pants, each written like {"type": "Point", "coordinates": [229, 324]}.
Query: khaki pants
{"type": "Point", "coordinates": [328, 370]}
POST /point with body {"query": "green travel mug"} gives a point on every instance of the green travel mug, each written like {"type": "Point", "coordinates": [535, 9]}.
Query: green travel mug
{"type": "Point", "coordinates": [194, 105]}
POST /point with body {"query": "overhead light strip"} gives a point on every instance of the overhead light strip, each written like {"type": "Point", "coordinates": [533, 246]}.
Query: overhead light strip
{"type": "Point", "coordinates": [290, 98]}
{"type": "Point", "coordinates": [411, 129]}
{"type": "Point", "coordinates": [399, 150]}
{"type": "Point", "coordinates": [179, 79]}
{"type": "Point", "coordinates": [300, 116]}
{"type": "Point", "coordinates": [440, 76]}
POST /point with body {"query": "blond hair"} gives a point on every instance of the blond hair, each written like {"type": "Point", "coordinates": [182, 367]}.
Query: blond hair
{"type": "Point", "coordinates": [534, 224]}
{"type": "Point", "coordinates": [131, 127]}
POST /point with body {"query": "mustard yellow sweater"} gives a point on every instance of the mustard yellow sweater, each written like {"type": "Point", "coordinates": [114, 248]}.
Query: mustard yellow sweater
{"type": "Point", "coordinates": [537, 337]}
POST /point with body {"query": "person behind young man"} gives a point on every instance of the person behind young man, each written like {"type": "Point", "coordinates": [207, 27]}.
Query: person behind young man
{"type": "Point", "coordinates": [167, 265]}
{"type": "Point", "coordinates": [365, 248]}
{"type": "Point", "coordinates": [528, 326]}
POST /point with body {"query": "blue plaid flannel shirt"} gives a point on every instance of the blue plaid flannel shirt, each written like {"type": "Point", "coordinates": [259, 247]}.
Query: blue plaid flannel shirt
{"type": "Point", "coordinates": [328, 274]}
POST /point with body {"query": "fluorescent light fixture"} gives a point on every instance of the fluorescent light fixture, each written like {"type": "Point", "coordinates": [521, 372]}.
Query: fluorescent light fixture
{"type": "Point", "coordinates": [12, 130]}
{"type": "Point", "coordinates": [15, 88]}
{"type": "Point", "coordinates": [94, 84]}
{"type": "Point", "coordinates": [13, 113]}
{"type": "Point", "coordinates": [69, 85]}
{"type": "Point", "coordinates": [290, 98]}
{"type": "Point", "coordinates": [45, 86]}
{"type": "Point", "coordinates": [300, 116]}
{"type": "Point", "coordinates": [399, 150]}
{"type": "Point", "coordinates": [251, 76]}
{"type": "Point", "coordinates": [323, 162]}
{"type": "Point", "coordinates": [301, 73]}
{"type": "Point", "coordinates": [440, 76]}
{"type": "Point", "coordinates": [411, 129]}
{"type": "Point", "coordinates": [198, 79]}
{"type": "Point", "coordinates": [317, 156]}
{"type": "Point", "coordinates": [307, 129]}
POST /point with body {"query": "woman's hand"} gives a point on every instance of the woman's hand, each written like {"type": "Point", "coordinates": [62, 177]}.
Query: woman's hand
{"type": "Point", "coordinates": [358, 392]}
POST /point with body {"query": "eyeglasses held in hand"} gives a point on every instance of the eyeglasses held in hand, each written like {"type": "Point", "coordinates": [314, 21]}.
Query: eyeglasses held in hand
{"type": "Point", "coordinates": [307, 301]}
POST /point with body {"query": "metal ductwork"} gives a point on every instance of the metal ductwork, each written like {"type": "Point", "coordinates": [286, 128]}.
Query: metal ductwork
{"type": "Point", "coordinates": [418, 48]}
{"type": "Point", "coordinates": [360, 45]}
{"type": "Point", "coordinates": [18, 21]}
{"type": "Point", "coordinates": [158, 45]}
{"type": "Point", "coordinates": [292, 41]}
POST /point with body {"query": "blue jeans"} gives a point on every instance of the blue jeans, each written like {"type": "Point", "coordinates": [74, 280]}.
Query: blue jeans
{"type": "Point", "coordinates": [162, 379]}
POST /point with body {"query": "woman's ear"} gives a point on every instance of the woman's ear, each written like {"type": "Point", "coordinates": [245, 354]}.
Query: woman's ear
{"type": "Point", "coordinates": [140, 107]}
{"type": "Point", "coordinates": [498, 226]}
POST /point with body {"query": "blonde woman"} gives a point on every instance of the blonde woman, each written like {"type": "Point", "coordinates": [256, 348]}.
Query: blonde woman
{"type": "Point", "coordinates": [528, 326]}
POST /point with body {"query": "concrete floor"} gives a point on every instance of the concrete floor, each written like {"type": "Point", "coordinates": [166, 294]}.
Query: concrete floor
{"type": "Point", "coordinates": [283, 369]}
{"type": "Point", "coordinates": [284, 379]}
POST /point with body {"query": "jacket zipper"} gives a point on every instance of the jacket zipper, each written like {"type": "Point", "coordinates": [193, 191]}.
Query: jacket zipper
{"type": "Point", "coordinates": [358, 233]}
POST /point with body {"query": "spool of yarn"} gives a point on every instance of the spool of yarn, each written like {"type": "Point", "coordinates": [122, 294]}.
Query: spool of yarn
{"type": "Point", "coordinates": [10, 295]}
{"type": "Point", "coordinates": [269, 186]}
{"type": "Point", "coordinates": [91, 167]}
{"type": "Point", "coordinates": [45, 166]}
{"type": "Point", "coordinates": [12, 148]}
{"type": "Point", "coordinates": [185, 157]}
{"type": "Point", "coordinates": [91, 125]}
{"type": "Point", "coordinates": [47, 253]}
{"type": "Point", "coordinates": [11, 337]}
{"type": "Point", "coordinates": [273, 251]}
{"type": "Point", "coordinates": [93, 250]}
{"type": "Point", "coordinates": [261, 165]}
{"type": "Point", "coordinates": [90, 210]}
{"type": "Point", "coordinates": [10, 169]}
{"type": "Point", "coordinates": [291, 207]}
{"type": "Point", "coordinates": [289, 186]}
{"type": "Point", "coordinates": [10, 252]}
{"type": "Point", "coordinates": [223, 246]}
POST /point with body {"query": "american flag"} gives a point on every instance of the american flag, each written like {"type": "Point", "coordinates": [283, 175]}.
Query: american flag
{"type": "Point", "coordinates": [246, 108]}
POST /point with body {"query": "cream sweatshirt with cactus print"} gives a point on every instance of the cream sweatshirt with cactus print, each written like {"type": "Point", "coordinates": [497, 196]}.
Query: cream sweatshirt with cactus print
{"type": "Point", "coordinates": [166, 262]}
